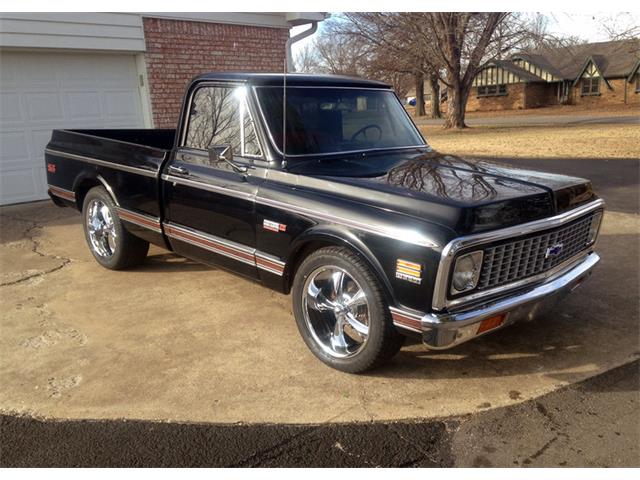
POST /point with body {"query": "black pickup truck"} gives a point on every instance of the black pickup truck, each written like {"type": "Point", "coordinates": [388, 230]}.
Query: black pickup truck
{"type": "Point", "coordinates": [338, 199]}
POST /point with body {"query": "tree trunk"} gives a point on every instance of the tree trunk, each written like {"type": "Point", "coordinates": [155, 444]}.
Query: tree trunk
{"type": "Point", "coordinates": [457, 101]}
{"type": "Point", "coordinates": [419, 95]}
{"type": "Point", "coordinates": [435, 97]}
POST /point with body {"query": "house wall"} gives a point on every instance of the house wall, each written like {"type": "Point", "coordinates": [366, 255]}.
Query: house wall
{"type": "Point", "coordinates": [179, 50]}
{"type": "Point", "coordinates": [633, 97]}
{"type": "Point", "coordinates": [513, 100]}
{"type": "Point", "coordinates": [613, 96]}
{"type": "Point", "coordinates": [540, 95]}
{"type": "Point", "coordinates": [77, 31]}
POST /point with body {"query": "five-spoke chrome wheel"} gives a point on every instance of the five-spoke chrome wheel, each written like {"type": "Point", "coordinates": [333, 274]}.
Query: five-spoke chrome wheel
{"type": "Point", "coordinates": [336, 311]}
{"type": "Point", "coordinates": [101, 228]}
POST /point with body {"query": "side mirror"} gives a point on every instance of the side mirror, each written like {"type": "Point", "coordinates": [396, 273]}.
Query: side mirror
{"type": "Point", "coordinates": [224, 153]}
{"type": "Point", "coordinates": [221, 153]}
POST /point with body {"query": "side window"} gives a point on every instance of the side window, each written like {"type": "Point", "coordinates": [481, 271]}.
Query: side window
{"type": "Point", "coordinates": [214, 119]}
{"type": "Point", "coordinates": [251, 145]}
{"type": "Point", "coordinates": [218, 116]}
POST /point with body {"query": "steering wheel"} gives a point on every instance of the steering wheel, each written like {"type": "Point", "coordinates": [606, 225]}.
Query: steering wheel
{"type": "Point", "coordinates": [363, 131]}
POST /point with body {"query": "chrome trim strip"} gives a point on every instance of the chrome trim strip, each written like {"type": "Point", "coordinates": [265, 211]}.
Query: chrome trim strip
{"type": "Point", "coordinates": [205, 186]}
{"type": "Point", "coordinates": [62, 193]}
{"type": "Point", "coordinates": [109, 189]}
{"type": "Point", "coordinates": [103, 163]}
{"type": "Point", "coordinates": [211, 243]}
{"type": "Point", "coordinates": [226, 248]}
{"type": "Point", "coordinates": [139, 219]}
{"type": "Point", "coordinates": [394, 233]}
{"type": "Point", "coordinates": [269, 263]}
{"type": "Point", "coordinates": [407, 320]}
{"type": "Point", "coordinates": [449, 252]}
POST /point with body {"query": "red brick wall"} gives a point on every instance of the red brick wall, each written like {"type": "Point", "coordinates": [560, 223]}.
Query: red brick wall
{"type": "Point", "coordinates": [613, 96]}
{"type": "Point", "coordinates": [179, 50]}
{"type": "Point", "coordinates": [540, 95]}
{"type": "Point", "coordinates": [513, 100]}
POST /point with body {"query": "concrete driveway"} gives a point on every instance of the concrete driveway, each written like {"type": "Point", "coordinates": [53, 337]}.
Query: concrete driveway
{"type": "Point", "coordinates": [175, 340]}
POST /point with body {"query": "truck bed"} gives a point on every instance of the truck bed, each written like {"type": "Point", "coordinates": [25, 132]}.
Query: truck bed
{"type": "Point", "coordinates": [128, 162]}
{"type": "Point", "coordinates": [161, 138]}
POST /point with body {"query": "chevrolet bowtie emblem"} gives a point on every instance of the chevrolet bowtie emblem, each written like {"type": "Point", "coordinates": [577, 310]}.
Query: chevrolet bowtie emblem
{"type": "Point", "coordinates": [553, 250]}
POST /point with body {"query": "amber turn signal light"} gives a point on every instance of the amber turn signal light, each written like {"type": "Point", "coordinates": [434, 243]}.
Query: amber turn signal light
{"type": "Point", "coordinates": [491, 323]}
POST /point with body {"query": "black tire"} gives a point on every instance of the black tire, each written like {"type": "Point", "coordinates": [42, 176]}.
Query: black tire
{"type": "Point", "coordinates": [129, 250]}
{"type": "Point", "coordinates": [383, 340]}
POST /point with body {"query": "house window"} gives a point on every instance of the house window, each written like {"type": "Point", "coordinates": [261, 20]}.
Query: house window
{"type": "Point", "coordinates": [591, 86]}
{"type": "Point", "coordinates": [492, 90]}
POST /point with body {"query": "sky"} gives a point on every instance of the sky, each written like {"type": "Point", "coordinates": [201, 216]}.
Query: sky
{"type": "Point", "coordinates": [584, 25]}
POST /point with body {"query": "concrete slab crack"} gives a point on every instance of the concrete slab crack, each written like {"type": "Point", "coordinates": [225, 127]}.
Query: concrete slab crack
{"type": "Point", "coordinates": [30, 235]}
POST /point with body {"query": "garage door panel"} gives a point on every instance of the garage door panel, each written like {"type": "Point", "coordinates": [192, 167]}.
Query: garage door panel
{"type": "Point", "coordinates": [44, 107]}
{"type": "Point", "coordinates": [120, 104]}
{"type": "Point", "coordinates": [21, 185]}
{"type": "Point", "coordinates": [14, 150]}
{"type": "Point", "coordinates": [11, 108]}
{"type": "Point", "coordinates": [83, 105]}
{"type": "Point", "coordinates": [45, 91]}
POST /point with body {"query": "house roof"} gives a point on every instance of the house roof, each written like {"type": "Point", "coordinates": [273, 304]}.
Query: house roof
{"type": "Point", "coordinates": [513, 68]}
{"type": "Point", "coordinates": [614, 59]}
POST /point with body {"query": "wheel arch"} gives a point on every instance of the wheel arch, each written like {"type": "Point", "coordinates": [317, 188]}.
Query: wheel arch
{"type": "Point", "coordinates": [85, 182]}
{"type": "Point", "coordinates": [322, 236]}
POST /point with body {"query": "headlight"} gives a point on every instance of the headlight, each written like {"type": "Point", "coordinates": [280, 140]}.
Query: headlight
{"type": "Point", "coordinates": [595, 227]}
{"type": "Point", "coordinates": [466, 272]}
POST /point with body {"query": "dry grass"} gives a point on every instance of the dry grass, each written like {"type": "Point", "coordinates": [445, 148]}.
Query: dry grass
{"type": "Point", "coordinates": [554, 110]}
{"type": "Point", "coordinates": [565, 141]}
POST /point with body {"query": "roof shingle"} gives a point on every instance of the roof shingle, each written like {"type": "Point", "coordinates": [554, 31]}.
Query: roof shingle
{"type": "Point", "coordinates": [614, 59]}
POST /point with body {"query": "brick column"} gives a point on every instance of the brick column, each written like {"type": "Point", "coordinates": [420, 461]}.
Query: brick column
{"type": "Point", "coordinates": [179, 50]}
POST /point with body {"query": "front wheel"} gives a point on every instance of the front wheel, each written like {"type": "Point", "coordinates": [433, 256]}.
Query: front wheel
{"type": "Point", "coordinates": [341, 311]}
{"type": "Point", "coordinates": [110, 243]}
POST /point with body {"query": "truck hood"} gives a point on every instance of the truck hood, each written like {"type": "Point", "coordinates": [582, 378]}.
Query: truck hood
{"type": "Point", "coordinates": [465, 194]}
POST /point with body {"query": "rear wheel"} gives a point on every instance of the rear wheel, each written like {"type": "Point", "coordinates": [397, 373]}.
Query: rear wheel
{"type": "Point", "coordinates": [341, 311]}
{"type": "Point", "coordinates": [110, 243]}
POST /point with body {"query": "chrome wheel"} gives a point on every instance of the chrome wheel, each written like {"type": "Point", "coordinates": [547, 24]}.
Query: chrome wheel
{"type": "Point", "coordinates": [101, 229]}
{"type": "Point", "coordinates": [336, 311]}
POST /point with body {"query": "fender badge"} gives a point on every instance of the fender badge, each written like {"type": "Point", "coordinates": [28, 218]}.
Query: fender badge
{"type": "Point", "coordinates": [554, 250]}
{"type": "Point", "coordinates": [409, 271]}
{"type": "Point", "coordinates": [273, 226]}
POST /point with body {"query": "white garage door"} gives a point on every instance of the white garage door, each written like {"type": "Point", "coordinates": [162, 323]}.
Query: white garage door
{"type": "Point", "coordinates": [43, 91]}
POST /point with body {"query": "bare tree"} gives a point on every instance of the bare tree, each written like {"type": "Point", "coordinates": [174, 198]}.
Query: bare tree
{"type": "Point", "coordinates": [620, 26]}
{"type": "Point", "coordinates": [306, 59]}
{"type": "Point", "coordinates": [394, 44]}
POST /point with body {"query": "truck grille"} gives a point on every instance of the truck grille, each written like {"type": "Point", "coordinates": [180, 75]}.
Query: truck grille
{"type": "Point", "coordinates": [516, 260]}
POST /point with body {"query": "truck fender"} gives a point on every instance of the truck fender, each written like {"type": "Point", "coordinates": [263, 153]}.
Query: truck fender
{"type": "Point", "coordinates": [336, 235]}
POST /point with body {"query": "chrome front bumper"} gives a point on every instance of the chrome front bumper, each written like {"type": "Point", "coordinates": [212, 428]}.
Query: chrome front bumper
{"type": "Point", "coordinates": [445, 330]}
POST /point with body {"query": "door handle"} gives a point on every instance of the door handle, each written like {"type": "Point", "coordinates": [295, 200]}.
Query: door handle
{"type": "Point", "coordinates": [178, 170]}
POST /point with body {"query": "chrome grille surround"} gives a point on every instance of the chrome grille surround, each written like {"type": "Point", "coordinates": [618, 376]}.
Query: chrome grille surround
{"type": "Point", "coordinates": [494, 238]}
{"type": "Point", "coordinates": [512, 261]}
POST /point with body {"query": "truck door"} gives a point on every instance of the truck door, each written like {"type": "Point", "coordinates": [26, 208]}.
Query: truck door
{"type": "Point", "coordinates": [209, 203]}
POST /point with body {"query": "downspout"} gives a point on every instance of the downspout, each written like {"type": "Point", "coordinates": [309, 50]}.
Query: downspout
{"type": "Point", "coordinates": [297, 38]}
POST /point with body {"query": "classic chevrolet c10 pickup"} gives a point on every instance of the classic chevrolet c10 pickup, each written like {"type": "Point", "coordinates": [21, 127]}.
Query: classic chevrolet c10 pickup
{"type": "Point", "coordinates": [322, 186]}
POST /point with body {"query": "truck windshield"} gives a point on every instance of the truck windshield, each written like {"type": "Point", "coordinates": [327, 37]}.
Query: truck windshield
{"type": "Point", "coordinates": [334, 120]}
